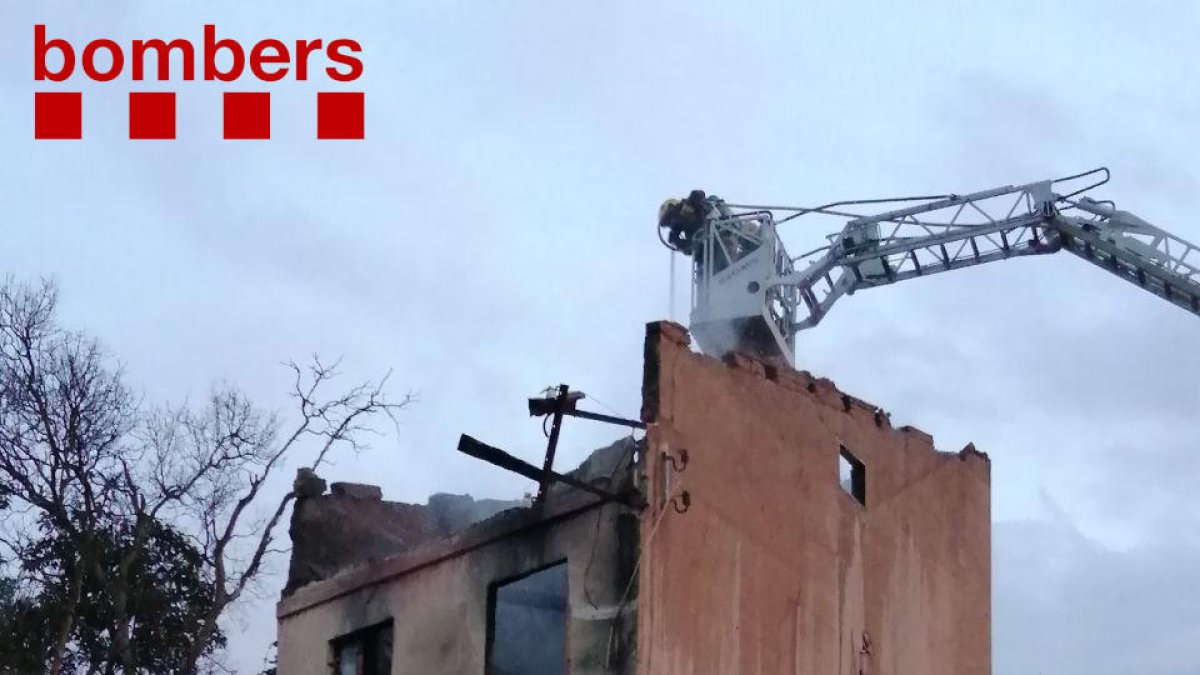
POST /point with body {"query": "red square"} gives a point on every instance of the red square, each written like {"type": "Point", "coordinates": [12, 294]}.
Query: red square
{"type": "Point", "coordinates": [340, 115]}
{"type": "Point", "coordinates": [247, 114]}
{"type": "Point", "coordinates": [58, 115]}
{"type": "Point", "coordinates": [151, 115]}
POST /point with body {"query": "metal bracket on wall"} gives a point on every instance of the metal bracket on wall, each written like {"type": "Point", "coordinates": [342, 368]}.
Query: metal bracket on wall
{"type": "Point", "coordinates": [682, 502]}
{"type": "Point", "coordinates": [673, 464]}
{"type": "Point", "coordinates": [680, 463]}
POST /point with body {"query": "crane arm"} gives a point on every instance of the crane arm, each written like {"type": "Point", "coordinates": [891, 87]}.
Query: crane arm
{"type": "Point", "coordinates": [909, 243]}
{"type": "Point", "coordinates": [1136, 251]}
{"type": "Point", "coordinates": [749, 295]}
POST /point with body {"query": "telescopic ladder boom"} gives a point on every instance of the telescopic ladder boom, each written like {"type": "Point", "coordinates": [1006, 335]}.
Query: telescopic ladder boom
{"type": "Point", "coordinates": [749, 295]}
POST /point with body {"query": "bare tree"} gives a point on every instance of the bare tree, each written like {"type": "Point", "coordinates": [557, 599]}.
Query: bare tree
{"type": "Point", "coordinates": [208, 468]}
{"type": "Point", "coordinates": [112, 481]}
{"type": "Point", "coordinates": [63, 417]}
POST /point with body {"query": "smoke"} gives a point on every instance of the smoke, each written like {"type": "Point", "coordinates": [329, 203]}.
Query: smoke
{"type": "Point", "coordinates": [718, 338]}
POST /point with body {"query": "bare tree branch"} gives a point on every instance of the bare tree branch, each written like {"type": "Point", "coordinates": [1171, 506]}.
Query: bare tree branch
{"type": "Point", "coordinates": [80, 460]}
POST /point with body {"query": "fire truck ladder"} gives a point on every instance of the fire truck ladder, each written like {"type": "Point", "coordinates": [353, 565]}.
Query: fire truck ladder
{"type": "Point", "coordinates": [748, 294]}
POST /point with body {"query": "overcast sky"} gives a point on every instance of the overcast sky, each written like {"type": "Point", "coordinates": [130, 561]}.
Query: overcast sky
{"type": "Point", "coordinates": [494, 235]}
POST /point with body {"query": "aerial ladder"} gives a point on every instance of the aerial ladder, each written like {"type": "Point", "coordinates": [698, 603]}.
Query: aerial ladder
{"type": "Point", "coordinates": [749, 295]}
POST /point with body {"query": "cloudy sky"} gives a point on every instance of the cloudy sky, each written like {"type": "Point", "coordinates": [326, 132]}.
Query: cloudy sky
{"type": "Point", "coordinates": [494, 235]}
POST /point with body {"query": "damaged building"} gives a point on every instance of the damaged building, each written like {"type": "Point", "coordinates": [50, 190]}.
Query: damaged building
{"type": "Point", "coordinates": [796, 531]}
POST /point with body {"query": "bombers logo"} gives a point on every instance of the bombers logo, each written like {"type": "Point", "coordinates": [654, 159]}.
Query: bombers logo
{"type": "Point", "coordinates": [247, 114]}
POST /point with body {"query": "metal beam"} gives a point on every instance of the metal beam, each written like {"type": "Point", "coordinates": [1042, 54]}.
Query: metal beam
{"type": "Point", "coordinates": [500, 458]}
{"type": "Point", "coordinates": [560, 406]}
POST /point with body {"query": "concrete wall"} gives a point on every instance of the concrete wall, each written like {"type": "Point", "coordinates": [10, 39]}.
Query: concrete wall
{"type": "Point", "coordinates": [774, 568]}
{"type": "Point", "coordinates": [352, 525]}
{"type": "Point", "coordinates": [437, 593]}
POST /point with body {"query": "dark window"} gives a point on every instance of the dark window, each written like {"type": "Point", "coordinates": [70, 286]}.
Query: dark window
{"type": "Point", "coordinates": [527, 628]}
{"type": "Point", "coordinates": [852, 475]}
{"type": "Point", "coordinates": [364, 652]}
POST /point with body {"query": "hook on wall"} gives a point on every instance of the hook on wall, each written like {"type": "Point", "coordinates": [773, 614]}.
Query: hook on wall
{"type": "Point", "coordinates": [682, 503]}
{"type": "Point", "coordinates": [678, 464]}
{"type": "Point", "coordinates": [675, 463]}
